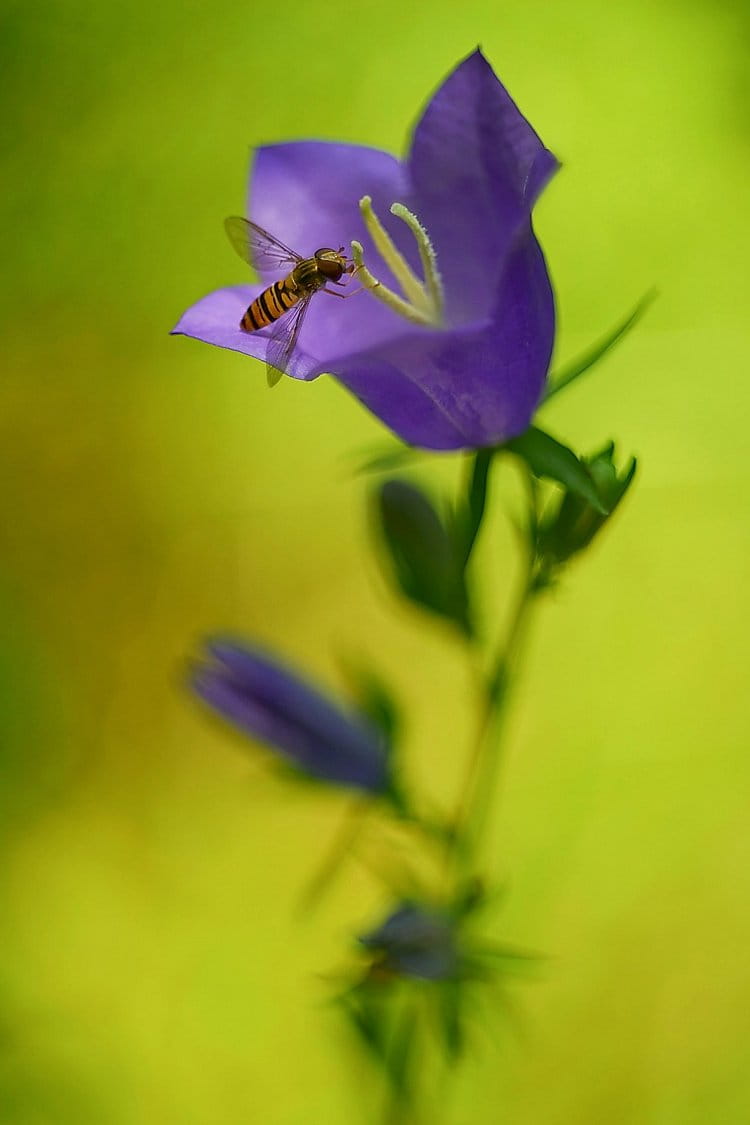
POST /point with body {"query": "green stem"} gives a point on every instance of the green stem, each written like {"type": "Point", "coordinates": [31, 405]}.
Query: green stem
{"type": "Point", "coordinates": [480, 782]}
{"type": "Point", "coordinates": [342, 846]}
{"type": "Point", "coordinates": [401, 1107]}
{"type": "Point", "coordinates": [489, 750]}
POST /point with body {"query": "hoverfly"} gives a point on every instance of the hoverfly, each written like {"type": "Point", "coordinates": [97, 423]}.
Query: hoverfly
{"type": "Point", "coordinates": [291, 294]}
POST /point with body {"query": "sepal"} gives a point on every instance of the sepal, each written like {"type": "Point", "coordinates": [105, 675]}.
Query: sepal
{"type": "Point", "coordinates": [547, 457]}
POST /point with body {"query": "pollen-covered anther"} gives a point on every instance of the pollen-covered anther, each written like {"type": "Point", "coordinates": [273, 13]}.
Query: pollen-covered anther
{"type": "Point", "coordinates": [422, 300]}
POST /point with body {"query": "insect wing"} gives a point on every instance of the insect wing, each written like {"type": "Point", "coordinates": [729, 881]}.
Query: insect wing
{"type": "Point", "coordinates": [283, 339]}
{"type": "Point", "coordinates": [257, 247]}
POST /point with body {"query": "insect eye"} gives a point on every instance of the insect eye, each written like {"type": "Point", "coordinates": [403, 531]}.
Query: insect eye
{"type": "Point", "coordinates": [325, 252]}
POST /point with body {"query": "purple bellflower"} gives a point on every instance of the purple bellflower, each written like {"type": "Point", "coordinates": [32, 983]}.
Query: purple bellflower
{"type": "Point", "coordinates": [413, 941]}
{"type": "Point", "coordinates": [269, 703]}
{"type": "Point", "coordinates": [458, 359]}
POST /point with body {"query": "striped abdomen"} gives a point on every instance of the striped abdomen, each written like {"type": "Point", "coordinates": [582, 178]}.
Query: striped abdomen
{"type": "Point", "coordinates": [271, 304]}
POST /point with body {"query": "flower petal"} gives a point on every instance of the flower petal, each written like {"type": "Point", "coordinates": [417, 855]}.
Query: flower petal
{"type": "Point", "coordinates": [307, 193]}
{"type": "Point", "coordinates": [215, 319]}
{"type": "Point", "coordinates": [269, 702]}
{"type": "Point", "coordinates": [466, 388]}
{"type": "Point", "coordinates": [476, 167]}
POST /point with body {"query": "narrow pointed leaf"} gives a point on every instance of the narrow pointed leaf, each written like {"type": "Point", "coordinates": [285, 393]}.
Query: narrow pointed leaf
{"type": "Point", "coordinates": [340, 850]}
{"type": "Point", "coordinates": [547, 457]}
{"type": "Point", "coordinates": [386, 456]}
{"type": "Point", "coordinates": [449, 1000]}
{"type": "Point", "coordinates": [368, 1020]}
{"type": "Point", "coordinates": [471, 512]}
{"type": "Point", "coordinates": [373, 697]}
{"type": "Point", "coordinates": [590, 358]}
{"type": "Point", "coordinates": [400, 1057]}
{"type": "Point", "coordinates": [569, 527]}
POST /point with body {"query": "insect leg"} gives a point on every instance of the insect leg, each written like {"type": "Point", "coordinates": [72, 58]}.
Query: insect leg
{"type": "Point", "coordinates": [343, 296]}
{"type": "Point", "coordinates": [348, 275]}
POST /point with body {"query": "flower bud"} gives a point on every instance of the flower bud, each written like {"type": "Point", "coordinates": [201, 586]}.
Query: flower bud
{"type": "Point", "coordinates": [413, 941]}
{"type": "Point", "coordinates": [271, 704]}
{"type": "Point", "coordinates": [574, 522]}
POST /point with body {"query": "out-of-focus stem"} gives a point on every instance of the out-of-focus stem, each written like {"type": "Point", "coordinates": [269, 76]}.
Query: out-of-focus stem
{"type": "Point", "coordinates": [488, 758]}
{"type": "Point", "coordinates": [480, 783]}
{"type": "Point", "coordinates": [342, 846]}
{"type": "Point", "coordinates": [402, 1105]}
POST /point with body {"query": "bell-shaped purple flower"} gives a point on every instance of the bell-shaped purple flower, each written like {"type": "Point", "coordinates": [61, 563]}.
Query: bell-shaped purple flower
{"type": "Point", "coordinates": [266, 701]}
{"type": "Point", "coordinates": [473, 373]}
{"type": "Point", "coordinates": [414, 941]}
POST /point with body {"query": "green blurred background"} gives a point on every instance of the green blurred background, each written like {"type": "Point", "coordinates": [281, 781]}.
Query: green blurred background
{"type": "Point", "coordinates": [152, 969]}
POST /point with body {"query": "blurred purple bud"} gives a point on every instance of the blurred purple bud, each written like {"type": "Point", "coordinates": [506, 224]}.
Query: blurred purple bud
{"type": "Point", "coordinates": [271, 704]}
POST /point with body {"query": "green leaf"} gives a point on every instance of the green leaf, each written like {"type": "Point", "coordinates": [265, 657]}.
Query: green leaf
{"type": "Point", "coordinates": [470, 513]}
{"type": "Point", "coordinates": [470, 896]}
{"type": "Point", "coordinates": [369, 1020]}
{"type": "Point", "coordinates": [340, 850]}
{"type": "Point", "coordinates": [547, 457]}
{"type": "Point", "coordinates": [386, 456]}
{"type": "Point", "coordinates": [511, 957]}
{"type": "Point", "coordinates": [568, 527]}
{"type": "Point", "coordinates": [373, 697]}
{"type": "Point", "coordinates": [387, 1034]}
{"type": "Point", "coordinates": [421, 553]}
{"type": "Point", "coordinates": [588, 359]}
{"type": "Point", "coordinates": [400, 1057]}
{"type": "Point", "coordinates": [450, 1016]}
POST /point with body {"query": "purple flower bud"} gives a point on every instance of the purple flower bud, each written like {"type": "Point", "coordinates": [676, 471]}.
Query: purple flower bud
{"type": "Point", "coordinates": [266, 701]}
{"type": "Point", "coordinates": [414, 941]}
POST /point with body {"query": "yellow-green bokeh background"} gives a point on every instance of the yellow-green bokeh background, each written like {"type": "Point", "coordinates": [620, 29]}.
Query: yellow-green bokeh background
{"type": "Point", "coordinates": [151, 967]}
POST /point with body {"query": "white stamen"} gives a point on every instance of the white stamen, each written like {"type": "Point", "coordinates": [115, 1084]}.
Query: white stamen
{"type": "Point", "coordinates": [427, 256]}
{"type": "Point", "coordinates": [422, 302]}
